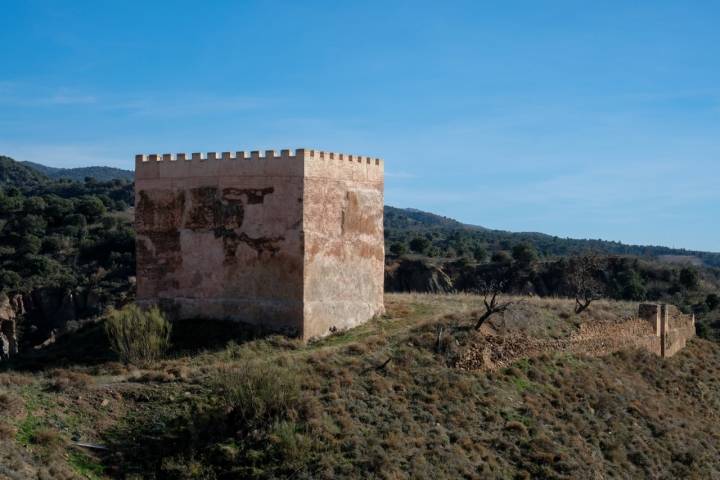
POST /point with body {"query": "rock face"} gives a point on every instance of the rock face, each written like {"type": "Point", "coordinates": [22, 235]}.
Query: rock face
{"type": "Point", "coordinates": [42, 313]}
{"type": "Point", "coordinates": [292, 242]}
{"type": "Point", "coordinates": [408, 275]}
{"type": "Point", "coordinates": [8, 328]}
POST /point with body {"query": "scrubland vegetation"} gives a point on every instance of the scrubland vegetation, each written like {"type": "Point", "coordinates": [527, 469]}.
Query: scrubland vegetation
{"type": "Point", "coordinates": [138, 336]}
{"type": "Point", "coordinates": [383, 400]}
{"type": "Point", "coordinates": [64, 235]}
{"type": "Point", "coordinates": [389, 399]}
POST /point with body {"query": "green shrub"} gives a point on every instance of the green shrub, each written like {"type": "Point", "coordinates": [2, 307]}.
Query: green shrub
{"type": "Point", "coordinates": [712, 301]}
{"type": "Point", "coordinates": [137, 336]}
{"type": "Point", "coordinates": [259, 394]}
{"type": "Point", "coordinates": [261, 405]}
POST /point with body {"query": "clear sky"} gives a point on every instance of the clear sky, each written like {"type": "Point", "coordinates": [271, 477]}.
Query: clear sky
{"type": "Point", "coordinates": [575, 118]}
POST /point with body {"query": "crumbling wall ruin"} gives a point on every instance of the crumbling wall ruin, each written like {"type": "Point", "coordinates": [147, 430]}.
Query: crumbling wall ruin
{"type": "Point", "coordinates": [671, 327]}
{"type": "Point", "coordinates": [659, 329]}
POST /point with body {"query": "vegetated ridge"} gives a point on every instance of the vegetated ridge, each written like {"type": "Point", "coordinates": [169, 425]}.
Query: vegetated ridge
{"type": "Point", "coordinates": [101, 174]}
{"type": "Point", "coordinates": [451, 236]}
{"type": "Point", "coordinates": [15, 174]}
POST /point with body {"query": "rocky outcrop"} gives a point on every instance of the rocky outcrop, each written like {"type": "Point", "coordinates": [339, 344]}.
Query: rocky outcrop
{"type": "Point", "coordinates": [43, 313]}
{"type": "Point", "coordinates": [8, 327]}
{"type": "Point", "coordinates": [408, 275]}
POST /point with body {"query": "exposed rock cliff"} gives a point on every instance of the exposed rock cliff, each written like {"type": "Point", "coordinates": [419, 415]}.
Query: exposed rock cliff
{"type": "Point", "coordinates": [406, 275]}
{"type": "Point", "coordinates": [42, 314]}
{"type": "Point", "coordinates": [8, 328]}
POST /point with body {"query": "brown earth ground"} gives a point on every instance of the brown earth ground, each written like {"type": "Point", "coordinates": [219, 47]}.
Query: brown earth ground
{"type": "Point", "coordinates": [409, 395]}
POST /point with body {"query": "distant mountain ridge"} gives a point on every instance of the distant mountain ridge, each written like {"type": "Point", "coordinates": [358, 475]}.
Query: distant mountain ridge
{"type": "Point", "coordinates": [411, 218]}
{"type": "Point", "coordinates": [101, 174]}
{"type": "Point", "coordinates": [407, 222]}
{"type": "Point", "coordinates": [400, 223]}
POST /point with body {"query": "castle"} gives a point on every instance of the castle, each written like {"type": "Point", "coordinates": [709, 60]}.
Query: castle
{"type": "Point", "coordinates": [292, 242]}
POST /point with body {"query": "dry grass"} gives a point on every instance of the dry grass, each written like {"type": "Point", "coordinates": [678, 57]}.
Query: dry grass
{"type": "Point", "coordinates": [9, 403]}
{"type": "Point", "coordinates": [12, 379]}
{"type": "Point", "coordinates": [47, 438]}
{"type": "Point", "coordinates": [384, 401]}
{"type": "Point", "coordinates": [6, 431]}
{"type": "Point", "coordinates": [64, 379]}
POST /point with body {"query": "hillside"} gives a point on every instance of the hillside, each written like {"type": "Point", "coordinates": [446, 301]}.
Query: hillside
{"type": "Point", "coordinates": [413, 219]}
{"type": "Point", "coordinates": [15, 174]}
{"type": "Point", "coordinates": [385, 399]}
{"type": "Point", "coordinates": [449, 235]}
{"type": "Point", "coordinates": [101, 174]}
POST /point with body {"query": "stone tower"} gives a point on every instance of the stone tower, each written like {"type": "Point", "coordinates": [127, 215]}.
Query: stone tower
{"type": "Point", "coordinates": [292, 242]}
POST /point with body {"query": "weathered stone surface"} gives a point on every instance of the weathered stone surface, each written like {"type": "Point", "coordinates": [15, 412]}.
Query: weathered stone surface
{"type": "Point", "coordinates": [671, 328]}
{"type": "Point", "coordinates": [8, 328]}
{"type": "Point", "coordinates": [291, 242]}
{"type": "Point", "coordinates": [592, 339]}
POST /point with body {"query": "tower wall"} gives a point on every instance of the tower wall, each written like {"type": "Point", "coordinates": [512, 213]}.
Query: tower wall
{"type": "Point", "coordinates": [221, 237]}
{"type": "Point", "coordinates": [344, 244]}
{"type": "Point", "coordinates": [290, 241]}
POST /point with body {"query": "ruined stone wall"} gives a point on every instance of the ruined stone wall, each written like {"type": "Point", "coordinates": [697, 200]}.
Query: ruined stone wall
{"type": "Point", "coordinates": [221, 236]}
{"type": "Point", "coordinates": [671, 327]}
{"type": "Point", "coordinates": [680, 328]}
{"type": "Point", "coordinates": [291, 241]}
{"type": "Point", "coordinates": [593, 339]}
{"type": "Point", "coordinates": [344, 245]}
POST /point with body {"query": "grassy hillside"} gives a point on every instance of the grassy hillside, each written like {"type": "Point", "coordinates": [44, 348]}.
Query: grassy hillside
{"type": "Point", "coordinates": [101, 174]}
{"type": "Point", "coordinates": [383, 400]}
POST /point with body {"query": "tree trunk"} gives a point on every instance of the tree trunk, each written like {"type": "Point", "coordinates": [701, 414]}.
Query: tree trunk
{"type": "Point", "coordinates": [483, 318]}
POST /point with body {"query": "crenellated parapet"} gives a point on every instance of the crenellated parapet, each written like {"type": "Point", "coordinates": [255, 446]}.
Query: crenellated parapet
{"type": "Point", "coordinates": [286, 154]}
{"type": "Point", "coordinates": [286, 162]}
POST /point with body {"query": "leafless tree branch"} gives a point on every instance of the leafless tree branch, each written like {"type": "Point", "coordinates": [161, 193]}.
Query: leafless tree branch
{"type": "Point", "coordinates": [583, 279]}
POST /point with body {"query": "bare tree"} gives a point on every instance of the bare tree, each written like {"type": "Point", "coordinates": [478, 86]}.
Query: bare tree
{"type": "Point", "coordinates": [492, 290]}
{"type": "Point", "coordinates": [584, 281]}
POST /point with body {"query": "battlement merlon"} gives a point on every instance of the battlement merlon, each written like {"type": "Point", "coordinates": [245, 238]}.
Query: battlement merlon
{"type": "Point", "coordinates": [286, 162]}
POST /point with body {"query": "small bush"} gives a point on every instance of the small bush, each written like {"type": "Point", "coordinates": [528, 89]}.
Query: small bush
{"type": "Point", "coordinates": [63, 380]}
{"type": "Point", "coordinates": [137, 336]}
{"type": "Point", "coordinates": [517, 427]}
{"type": "Point", "coordinates": [259, 393]}
{"type": "Point", "coordinates": [9, 403]}
{"type": "Point", "coordinates": [47, 438]}
{"type": "Point", "coordinates": [14, 380]}
{"type": "Point", "coordinates": [6, 431]}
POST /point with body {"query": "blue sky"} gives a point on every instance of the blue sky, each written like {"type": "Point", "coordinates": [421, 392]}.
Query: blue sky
{"type": "Point", "coordinates": [574, 118]}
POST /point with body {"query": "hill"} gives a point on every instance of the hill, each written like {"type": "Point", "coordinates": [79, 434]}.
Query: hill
{"type": "Point", "coordinates": [67, 251]}
{"type": "Point", "coordinates": [14, 174]}
{"type": "Point", "coordinates": [101, 174]}
{"type": "Point", "coordinates": [450, 238]}
{"type": "Point", "coordinates": [413, 219]}
{"type": "Point", "coordinates": [386, 399]}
